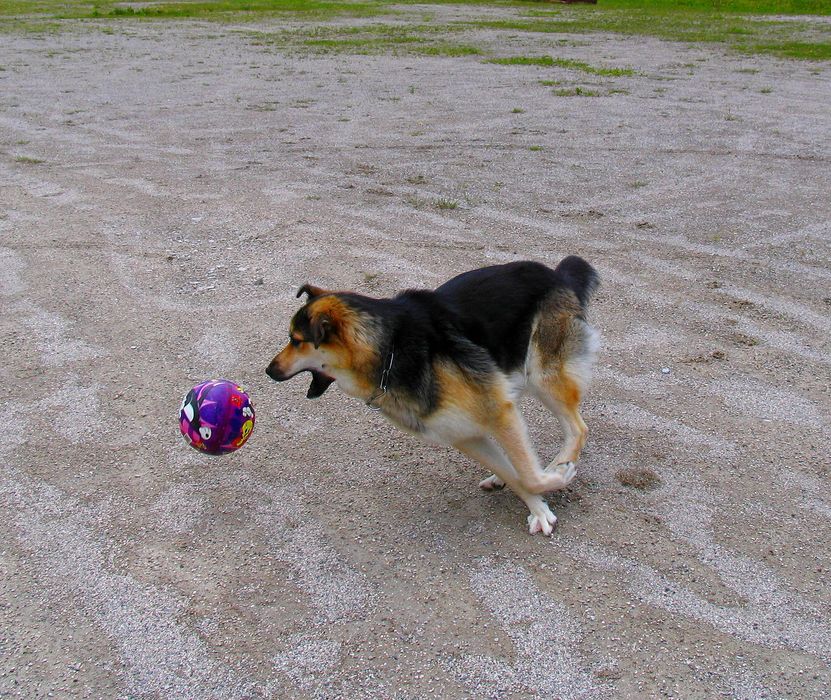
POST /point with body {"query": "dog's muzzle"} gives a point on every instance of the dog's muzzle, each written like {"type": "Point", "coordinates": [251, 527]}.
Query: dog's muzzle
{"type": "Point", "coordinates": [273, 370]}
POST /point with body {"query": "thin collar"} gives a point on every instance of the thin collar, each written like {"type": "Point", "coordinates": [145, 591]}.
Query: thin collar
{"type": "Point", "coordinates": [382, 388]}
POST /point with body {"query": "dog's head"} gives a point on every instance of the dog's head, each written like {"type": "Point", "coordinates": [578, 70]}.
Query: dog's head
{"type": "Point", "coordinates": [316, 341]}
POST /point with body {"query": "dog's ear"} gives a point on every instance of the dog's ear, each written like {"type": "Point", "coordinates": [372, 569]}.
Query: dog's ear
{"type": "Point", "coordinates": [311, 291]}
{"type": "Point", "coordinates": [320, 326]}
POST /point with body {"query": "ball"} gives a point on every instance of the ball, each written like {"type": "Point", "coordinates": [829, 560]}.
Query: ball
{"type": "Point", "coordinates": [216, 417]}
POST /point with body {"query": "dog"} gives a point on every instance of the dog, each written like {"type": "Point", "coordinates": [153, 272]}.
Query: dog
{"type": "Point", "coordinates": [450, 365]}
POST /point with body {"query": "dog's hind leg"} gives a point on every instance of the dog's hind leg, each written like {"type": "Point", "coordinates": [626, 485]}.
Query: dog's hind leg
{"type": "Point", "coordinates": [482, 450]}
{"type": "Point", "coordinates": [561, 394]}
{"type": "Point", "coordinates": [563, 354]}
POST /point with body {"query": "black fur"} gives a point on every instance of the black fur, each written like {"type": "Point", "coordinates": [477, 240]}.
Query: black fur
{"type": "Point", "coordinates": [425, 329]}
{"type": "Point", "coordinates": [479, 320]}
{"type": "Point", "coordinates": [496, 305]}
{"type": "Point", "coordinates": [580, 277]}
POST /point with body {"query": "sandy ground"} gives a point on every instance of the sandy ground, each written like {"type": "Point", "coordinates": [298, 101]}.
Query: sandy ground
{"type": "Point", "coordinates": [191, 181]}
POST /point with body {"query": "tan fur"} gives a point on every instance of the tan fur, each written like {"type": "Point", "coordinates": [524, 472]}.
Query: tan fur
{"type": "Point", "coordinates": [461, 393]}
{"type": "Point", "coordinates": [348, 349]}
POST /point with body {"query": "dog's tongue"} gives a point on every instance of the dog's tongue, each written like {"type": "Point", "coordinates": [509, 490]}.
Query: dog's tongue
{"type": "Point", "coordinates": [320, 383]}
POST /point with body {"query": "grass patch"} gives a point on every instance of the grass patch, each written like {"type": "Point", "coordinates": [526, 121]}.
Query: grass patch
{"type": "Point", "coordinates": [561, 63]}
{"type": "Point", "coordinates": [535, 148]}
{"type": "Point", "coordinates": [711, 21]}
{"type": "Point", "coordinates": [26, 160]}
{"type": "Point", "coordinates": [413, 45]}
{"type": "Point", "coordinates": [805, 50]}
{"type": "Point", "coordinates": [759, 7]}
{"type": "Point", "coordinates": [692, 23]}
{"type": "Point", "coordinates": [370, 39]}
{"type": "Point", "coordinates": [227, 10]}
{"type": "Point", "coordinates": [239, 9]}
{"type": "Point", "coordinates": [448, 50]}
{"type": "Point", "coordinates": [576, 92]}
{"type": "Point", "coordinates": [444, 204]}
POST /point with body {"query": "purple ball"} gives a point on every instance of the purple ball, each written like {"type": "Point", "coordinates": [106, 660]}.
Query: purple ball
{"type": "Point", "coordinates": [216, 417]}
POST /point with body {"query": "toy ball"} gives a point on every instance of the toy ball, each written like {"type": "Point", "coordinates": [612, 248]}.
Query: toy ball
{"type": "Point", "coordinates": [216, 417]}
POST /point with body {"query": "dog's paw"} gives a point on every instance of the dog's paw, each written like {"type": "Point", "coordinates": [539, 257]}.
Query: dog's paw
{"type": "Point", "coordinates": [564, 472]}
{"type": "Point", "coordinates": [545, 523]}
{"type": "Point", "coordinates": [492, 483]}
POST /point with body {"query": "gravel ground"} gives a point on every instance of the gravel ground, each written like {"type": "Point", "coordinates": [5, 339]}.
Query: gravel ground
{"type": "Point", "coordinates": [167, 187]}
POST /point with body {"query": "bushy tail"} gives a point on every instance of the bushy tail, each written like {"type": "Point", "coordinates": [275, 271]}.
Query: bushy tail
{"type": "Point", "coordinates": [581, 277]}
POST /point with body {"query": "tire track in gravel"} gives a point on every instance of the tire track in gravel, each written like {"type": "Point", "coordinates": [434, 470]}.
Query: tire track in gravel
{"type": "Point", "coordinates": [772, 615]}
{"type": "Point", "coordinates": [336, 592]}
{"type": "Point", "coordinates": [793, 310]}
{"type": "Point", "coordinates": [678, 242]}
{"type": "Point", "coordinates": [563, 230]}
{"type": "Point", "coordinates": [52, 335]}
{"type": "Point", "coordinates": [11, 270]}
{"type": "Point", "coordinates": [787, 342]}
{"type": "Point", "coordinates": [160, 655]}
{"type": "Point", "coordinates": [545, 636]}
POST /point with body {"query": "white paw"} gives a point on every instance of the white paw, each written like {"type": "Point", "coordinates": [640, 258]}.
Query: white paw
{"type": "Point", "coordinates": [492, 483]}
{"type": "Point", "coordinates": [564, 472]}
{"type": "Point", "coordinates": [544, 521]}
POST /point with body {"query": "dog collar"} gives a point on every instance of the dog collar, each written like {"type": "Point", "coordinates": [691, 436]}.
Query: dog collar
{"type": "Point", "coordinates": [382, 387]}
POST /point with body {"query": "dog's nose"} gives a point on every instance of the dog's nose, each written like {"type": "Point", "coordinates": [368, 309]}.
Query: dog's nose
{"type": "Point", "coordinates": [274, 372]}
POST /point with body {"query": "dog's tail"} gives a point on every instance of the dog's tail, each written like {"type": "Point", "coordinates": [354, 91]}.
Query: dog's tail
{"type": "Point", "coordinates": [580, 277]}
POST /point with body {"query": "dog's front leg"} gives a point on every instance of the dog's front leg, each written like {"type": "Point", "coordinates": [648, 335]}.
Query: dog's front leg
{"type": "Point", "coordinates": [510, 432]}
{"type": "Point", "coordinates": [485, 452]}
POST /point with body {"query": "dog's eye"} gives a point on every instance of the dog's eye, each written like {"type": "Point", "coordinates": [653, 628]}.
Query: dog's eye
{"type": "Point", "coordinates": [295, 342]}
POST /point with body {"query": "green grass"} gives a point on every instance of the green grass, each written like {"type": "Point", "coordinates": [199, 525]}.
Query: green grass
{"type": "Point", "coordinates": [758, 7]}
{"type": "Point", "coordinates": [718, 22]}
{"type": "Point", "coordinates": [391, 45]}
{"type": "Point", "coordinates": [576, 92]}
{"type": "Point", "coordinates": [787, 39]}
{"type": "Point", "coordinates": [380, 38]}
{"type": "Point", "coordinates": [811, 51]}
{"type": "Point", "coordinates": [785, 7]}
{"type": "Point", "coordinates": [26, 160]}
{"type": "Point", "coordinates": [61, 9]}
{"type": "Point", "coordinates": [444, 204]}
{"type": "Point", "coordinates": [562, 63]}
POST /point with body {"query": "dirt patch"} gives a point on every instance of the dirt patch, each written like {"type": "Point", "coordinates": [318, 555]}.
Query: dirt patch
{"type": "Point", "coordinates": [641, 479]}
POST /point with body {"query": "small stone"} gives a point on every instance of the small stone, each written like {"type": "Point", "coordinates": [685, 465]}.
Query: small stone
{"type": "Point", "coordinates": [665, 370]}
{"type": "Point", "coordinates": [259, 281]}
